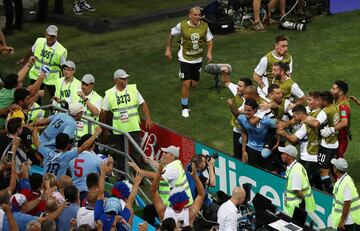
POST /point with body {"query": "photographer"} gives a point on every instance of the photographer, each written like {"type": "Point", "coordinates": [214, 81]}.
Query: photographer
{"type": "Point", "coordinates": [204, 163]}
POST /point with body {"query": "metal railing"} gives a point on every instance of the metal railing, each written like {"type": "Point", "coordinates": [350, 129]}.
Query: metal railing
{"type": "Point", "coordinates": [125, 153]}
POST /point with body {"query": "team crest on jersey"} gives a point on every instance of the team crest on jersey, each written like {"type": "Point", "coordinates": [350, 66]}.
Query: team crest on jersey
{"type": "Point", "coordinates": [343, 113]}
{"type": "Point", "coordinates": [258, 125]}
{"type": "Point", "coordinates": [195, 40]}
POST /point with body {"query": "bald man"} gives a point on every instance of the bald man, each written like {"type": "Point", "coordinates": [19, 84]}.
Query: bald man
{"type": "Point", "coordinates": [227, 218]}
{"type": "Point", "coordinates": [195, 35]}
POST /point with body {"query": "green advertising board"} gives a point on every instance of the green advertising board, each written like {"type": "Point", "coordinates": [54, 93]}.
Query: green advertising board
{"type": "Point", "coordinates": [231, 172]}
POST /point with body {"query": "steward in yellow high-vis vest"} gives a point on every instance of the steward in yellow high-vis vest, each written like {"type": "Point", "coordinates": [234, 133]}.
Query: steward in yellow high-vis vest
{"type": "Point", "coordinates": [178, 198]}
{"type": "Point", "coordinates": [67, 88]}
{"type": "Point", "coordinates": [34, 115]}
{"type": "Point", "coordinates": [92, 102]}
{"type": "Point", "coordinates": [345, 214]}
{"type": "Point", "coordinates": [263, 71]}
{"type": "Point", "coordinates": [174, 175]}
{"type": "Point", "coordinates": [298, 189]}
{"type": "Point", "coordinates": [123, 101]}
{"type": "Point", "coordinates": [48, 51]}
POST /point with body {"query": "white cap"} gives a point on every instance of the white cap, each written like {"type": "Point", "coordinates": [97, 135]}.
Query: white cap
{"type": "Point", "coordinates": [18, 199]}
{"type": "Point", "coordinates": [289, 149]}
{"type": "Point", "coordinates": [52, 30]}
{"type": "Point", "coordinates": [340, 164]}
{"type": "Point", "coordinates": [88, 78]}
{"type": "Point", "coordinates": [120, 74]}
{"type": "Point", "coordinates": [75, 108]}
{"type": "Point", "coordinates": [172, 149]}
{"type": "Point", "coordinates": [70, 64]}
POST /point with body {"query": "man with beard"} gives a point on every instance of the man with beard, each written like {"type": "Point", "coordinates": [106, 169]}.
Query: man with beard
{"type": "Point", "coordinates": [289, 87]}
{"type": "Point", "coordinates": [263, 71]}
{"type": "Point", "coordinates": [253, 136]}
{"type": "Point", "coordinates": [338, 91]}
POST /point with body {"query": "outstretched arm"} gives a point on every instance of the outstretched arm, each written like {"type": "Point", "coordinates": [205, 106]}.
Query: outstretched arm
{"type": "Point", "coordinates": [90, 141]}
{"type": "Point", "coordinates": [196, 205]}
{"type": "Point", "coordinates": [158, 203]}
{"type": "Point", "coordinates": [258, 80]}
{"type": "Point", "coordinates": [11, 220]}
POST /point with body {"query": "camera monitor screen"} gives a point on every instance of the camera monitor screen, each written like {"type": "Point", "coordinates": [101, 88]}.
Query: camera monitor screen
{"type": "Point", "coordinates": [261, 203]}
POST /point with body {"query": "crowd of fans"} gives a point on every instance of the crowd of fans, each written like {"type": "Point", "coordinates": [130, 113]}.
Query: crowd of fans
{"type": "Point", "coordinates": [264, 118]}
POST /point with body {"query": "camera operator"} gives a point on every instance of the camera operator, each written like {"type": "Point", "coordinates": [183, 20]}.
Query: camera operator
{"type": "Point", "coordinates": [204, 163]}
{"type": "Point", "coordinates": [227, 214]}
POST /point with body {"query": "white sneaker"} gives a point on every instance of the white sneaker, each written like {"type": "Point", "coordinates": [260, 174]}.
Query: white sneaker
{"type": "Point", "coordinates": [86, 6]}
{"type": "Point", "coordinates": [76, 9]}
{"type": "Point", "coordinates": [185, 112]}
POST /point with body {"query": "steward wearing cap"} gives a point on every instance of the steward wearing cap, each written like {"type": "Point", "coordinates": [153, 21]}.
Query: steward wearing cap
{"type": "Point", "coordinates": [48, 51]}
{"type": "Point", "coordinates": [345, 213]}
{"type": "Point", "coordinates": [67, 88]}
{"type": "Point", "coordinates": [123, 101]}
{"type": "Point", "coordinates": [60, 123]}
{"type": "Point", "coordinates": [178, 206]}
{"type": "Point", "coordinates": [298, 190]}
{"type": "Point", "coordinates": [173, 177]}
{"type": "Point", "coordinates": [92, 102]}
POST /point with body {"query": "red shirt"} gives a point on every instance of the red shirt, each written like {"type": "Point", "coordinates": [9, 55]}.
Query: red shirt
{"type": "Point", "coordinates": [30, 195]}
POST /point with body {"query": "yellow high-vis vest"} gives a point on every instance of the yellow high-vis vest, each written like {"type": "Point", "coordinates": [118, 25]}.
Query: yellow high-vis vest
{"type": "Point", "coordinates": [338, 201]}
{"type": "Point", "coordinates": [164, 186]}
{"type": "Point", "coordinates": [292, 200]}
{"type": "Point", "coordinates": [46, 55]}
{"type": "Point", "coordinates": [124, 106]}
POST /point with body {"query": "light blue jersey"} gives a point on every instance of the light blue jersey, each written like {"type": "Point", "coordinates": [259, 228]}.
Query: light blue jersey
{"type": "Point", "coordinates": [57, 162]}
{"type": "Point", "coordinates": [87, 162]}
{"type": "Point", "coordinates": [21, 219]}
{"type": "Point", "coordinates": [59, 123]}
{"type": "Point", "coordinates": [256, 134]}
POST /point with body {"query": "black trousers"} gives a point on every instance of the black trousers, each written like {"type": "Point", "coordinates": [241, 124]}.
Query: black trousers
{"type": "Point", "coordinates": [237, 145]}
{"type": "Point", "coordinates": [43, 9]}
{"type": "Point", "coordinates": [118, 142]}
{"type": "Point", "coordinates": [9, 13]}
{"type": "Point", "coordinates": [353, 227]}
